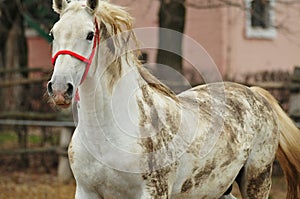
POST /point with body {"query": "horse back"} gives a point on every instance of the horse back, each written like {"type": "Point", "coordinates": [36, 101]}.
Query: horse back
{"type": "Point", "coordinates": [232, 123]}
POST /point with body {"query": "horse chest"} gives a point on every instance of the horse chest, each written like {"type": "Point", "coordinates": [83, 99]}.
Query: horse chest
{"type": "Point", "coordinates": [94, 176]}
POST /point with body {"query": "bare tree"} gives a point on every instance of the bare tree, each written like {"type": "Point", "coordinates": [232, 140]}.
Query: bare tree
{"type": "Point", "coordinates": [14, 15]}
{"type": "Point", "coordinates": [13, 53]}
{"type": "Point", "coordinates": [171, 17]}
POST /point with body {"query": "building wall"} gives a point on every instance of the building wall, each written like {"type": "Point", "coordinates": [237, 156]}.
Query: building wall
{"type": "Point", "coordinates": [39, 52]}
{"type": "Point", "coordinates": [145, 14]}
{"type": "Point", "coordinates": [221, 32]}
{"type": "Point", "coordinates": [254, 55]}
{"type": "Point", "coordinates": [205, 27]}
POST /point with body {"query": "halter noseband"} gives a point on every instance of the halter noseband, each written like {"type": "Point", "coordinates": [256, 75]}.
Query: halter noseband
{"type": "Point", "coordinates": [88, 61]}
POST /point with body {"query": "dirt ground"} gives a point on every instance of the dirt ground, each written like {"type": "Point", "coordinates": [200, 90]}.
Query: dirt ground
{"type": "Point", "coordinates": [19, 185]}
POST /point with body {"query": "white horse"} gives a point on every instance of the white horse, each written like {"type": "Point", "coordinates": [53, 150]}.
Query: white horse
{"type": "Point", "coordinates": [136, 139]}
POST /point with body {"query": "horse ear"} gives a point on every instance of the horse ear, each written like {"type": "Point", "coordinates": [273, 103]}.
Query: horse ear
{"type": "Point", "coordinates": [92, 4]}
{"type": "Point", "coordinates": [59, 5]}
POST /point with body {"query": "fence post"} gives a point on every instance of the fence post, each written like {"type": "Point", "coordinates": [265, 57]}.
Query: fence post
{"type": "Point", "coordinates": [64, 171]}
{"type": "Point", "coordinates": [294, 110]}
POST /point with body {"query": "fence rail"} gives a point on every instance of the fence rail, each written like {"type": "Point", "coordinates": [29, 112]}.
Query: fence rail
{"type": "Point", "coordinates": [63, 170]}
{"type": "Point", "coordinates": [29, 151]}
{"type": "Point", "coordinates": [37, 123]}
{"type": "Point", "coordinates": [23, 82]}
{"type": "Point", "coordinates": [25, 70]}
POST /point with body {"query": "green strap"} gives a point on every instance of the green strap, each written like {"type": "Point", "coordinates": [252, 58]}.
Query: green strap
{"type": "Point", "coordinates": [36, 26]}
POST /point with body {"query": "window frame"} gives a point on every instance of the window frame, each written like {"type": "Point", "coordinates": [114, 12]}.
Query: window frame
{"type": "Point", "coordinates": [259, 32]}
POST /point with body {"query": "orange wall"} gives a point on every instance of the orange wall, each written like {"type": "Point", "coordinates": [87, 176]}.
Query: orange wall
{"type": "Point", "coordinates": [220, 31]}
{"type": "Point", "coordinates": [206, 27]}
{"type": "Point", "coordinates": [39, 52]}
{"type": "Point", "coordinates": [145, 14]}
{"type": "Point", "coordinates": [253, 55]}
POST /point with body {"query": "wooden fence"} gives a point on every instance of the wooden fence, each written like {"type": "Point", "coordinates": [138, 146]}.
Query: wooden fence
{"type": "Point", "coordinates": [45, 119]}
{"type": "Point", "coordinates": [66, 130]}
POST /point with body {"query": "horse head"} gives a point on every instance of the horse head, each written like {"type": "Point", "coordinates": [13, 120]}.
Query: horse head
{"type": "Point", "coordinates": [75, 38]}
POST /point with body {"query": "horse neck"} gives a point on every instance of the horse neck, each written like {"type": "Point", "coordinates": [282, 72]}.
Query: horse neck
{"type": "Point", "coordinates": [102, 101]}
{"type": "Point", "coordinates": [113, 116]}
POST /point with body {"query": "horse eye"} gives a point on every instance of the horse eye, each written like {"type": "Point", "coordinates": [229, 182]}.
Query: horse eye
{"type": "Point", "coordinates": [51, 36]}
{"type": "Point", "coordinates": [90, 36]}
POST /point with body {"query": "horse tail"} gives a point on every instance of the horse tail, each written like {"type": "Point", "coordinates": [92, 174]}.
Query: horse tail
{"type": "Point", "coordinates": [288, 153]}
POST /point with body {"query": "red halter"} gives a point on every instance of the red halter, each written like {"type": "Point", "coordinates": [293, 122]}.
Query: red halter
{"type": "Point", "coordinates": [88, 61]}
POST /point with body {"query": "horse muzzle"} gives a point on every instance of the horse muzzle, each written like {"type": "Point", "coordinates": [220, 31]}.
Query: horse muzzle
{"type": "Point", "coordinates": [61, 94]}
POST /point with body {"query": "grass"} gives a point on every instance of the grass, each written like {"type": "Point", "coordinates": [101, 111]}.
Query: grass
{"type": "Point", "coordinates": [34, 139]}
{"type": "Point", "coordinates": [9, 139]}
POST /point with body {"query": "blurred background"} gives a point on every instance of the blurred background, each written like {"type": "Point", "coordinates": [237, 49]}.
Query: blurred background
{"type": "Point", "coordinates": [254, 42]}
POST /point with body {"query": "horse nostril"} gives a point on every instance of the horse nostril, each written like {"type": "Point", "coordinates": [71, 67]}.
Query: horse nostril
{"type": "Point", "coordinates": [49, 88]}
{"type": "Point", "coordinates": [70, 89]}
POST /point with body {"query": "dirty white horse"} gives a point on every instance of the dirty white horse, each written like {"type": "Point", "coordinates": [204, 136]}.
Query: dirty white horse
{"type": "Point", "coordinates": [193, 145]}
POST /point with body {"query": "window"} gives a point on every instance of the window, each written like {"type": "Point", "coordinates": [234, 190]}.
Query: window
{"type": "Point", "coordinates": [260, 18]}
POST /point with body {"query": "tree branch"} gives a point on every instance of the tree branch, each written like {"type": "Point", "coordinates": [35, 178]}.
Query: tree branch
{"type": "Point", "coordinates": [213, 5]}
{"type": "Point", "coordinates": [291, 2]}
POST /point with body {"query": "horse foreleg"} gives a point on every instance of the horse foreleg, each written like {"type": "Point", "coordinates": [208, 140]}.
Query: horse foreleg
{"type": "Point", "coordinates": [82, 193]}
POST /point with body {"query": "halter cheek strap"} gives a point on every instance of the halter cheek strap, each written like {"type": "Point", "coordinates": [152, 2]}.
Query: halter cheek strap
{"type": "Point", "coordinates": [88, 61]}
